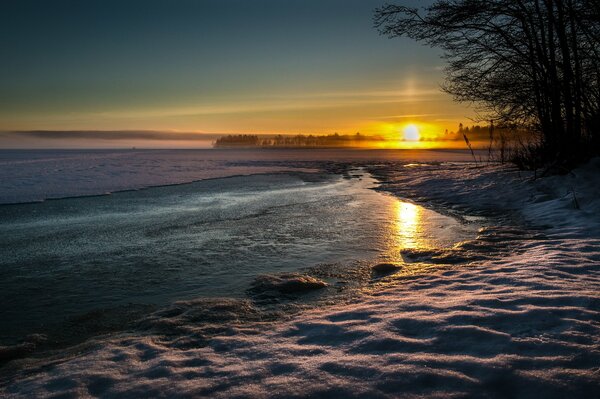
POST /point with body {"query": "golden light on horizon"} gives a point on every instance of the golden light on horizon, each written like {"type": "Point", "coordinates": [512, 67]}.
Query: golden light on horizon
{"type": "Point", "coordinates": [411, 134]}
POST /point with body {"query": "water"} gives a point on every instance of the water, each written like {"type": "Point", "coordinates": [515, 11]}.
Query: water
{"type": "Point", "coordinates": [62, 259]}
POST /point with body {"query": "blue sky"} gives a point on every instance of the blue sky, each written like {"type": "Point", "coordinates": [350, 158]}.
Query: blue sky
{"type": "Point", "coordinates": [293, 66]}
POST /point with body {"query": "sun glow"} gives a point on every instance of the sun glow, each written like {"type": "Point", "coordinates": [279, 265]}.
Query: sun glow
{"type": "Point", "coordinates": [411, 133]}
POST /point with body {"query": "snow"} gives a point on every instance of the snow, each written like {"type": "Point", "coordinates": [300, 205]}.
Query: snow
{"type": "Point", "coordinates": [31, 176]}
{"type": "Point", "coordinates": [521, 319]}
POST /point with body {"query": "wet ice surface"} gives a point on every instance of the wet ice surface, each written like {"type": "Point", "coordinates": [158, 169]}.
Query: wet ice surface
{"type": "Point", "coordinates": [512, 313]}
{"type": "Point", "coordinates": [95, 263]}
{"type": "Point", "coordinates": [36, 175]}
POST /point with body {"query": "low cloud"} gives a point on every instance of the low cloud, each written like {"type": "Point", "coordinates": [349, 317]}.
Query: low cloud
{"type": "Point", "coordinates": [110, 135]}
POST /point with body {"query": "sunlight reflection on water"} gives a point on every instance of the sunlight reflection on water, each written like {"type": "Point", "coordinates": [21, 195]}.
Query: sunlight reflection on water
{"type": "Point", "coordinates": [207, 239]}
{"type": "Point", "coordinates": [408, 226]}
{"type": "Point", "coordinates": [414, 227]}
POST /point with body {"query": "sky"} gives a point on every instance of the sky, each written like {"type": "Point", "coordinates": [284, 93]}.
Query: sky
{"type": "Point", "coordinates": [213, 66]}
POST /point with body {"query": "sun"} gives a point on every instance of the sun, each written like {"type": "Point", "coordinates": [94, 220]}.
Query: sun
{"type": "Point", "coordinates": [411, 133]}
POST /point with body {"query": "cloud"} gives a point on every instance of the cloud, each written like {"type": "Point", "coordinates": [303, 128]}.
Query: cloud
{"type": "Point", "coordinates": [406, 116]}
{"type": "Point", "coordinates": [279, 103]}
{"type": "Point", "coordinates": [110, 135]}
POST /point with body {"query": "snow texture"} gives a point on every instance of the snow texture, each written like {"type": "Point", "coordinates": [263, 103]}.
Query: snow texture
{"type": "Point", "coordinates": [525, 324]}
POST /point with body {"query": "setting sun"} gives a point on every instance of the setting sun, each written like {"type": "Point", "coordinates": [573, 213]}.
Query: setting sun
{"type": "Point", "coordinates": [411, 133]}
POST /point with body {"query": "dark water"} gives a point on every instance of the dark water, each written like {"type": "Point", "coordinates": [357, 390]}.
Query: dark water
{"type": "Point", "coordinates": [63, 258]}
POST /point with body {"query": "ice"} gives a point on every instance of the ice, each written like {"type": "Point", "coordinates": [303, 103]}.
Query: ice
{"type": "Point", "coordinates": [30, 176]}
{"type": "Point", "coordinates": [87, 258]}
{"type": "Point", "coordinates": [525, 325]}
{"type": "Point", "coordinates": [37, 175]}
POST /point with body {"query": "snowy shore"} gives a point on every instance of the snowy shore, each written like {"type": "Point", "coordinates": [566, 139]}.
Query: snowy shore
{"type": "Point", "coordinates": [526, 324]}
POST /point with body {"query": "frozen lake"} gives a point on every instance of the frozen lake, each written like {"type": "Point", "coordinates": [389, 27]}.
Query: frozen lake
{"type": "Point", "coordinates": [65, 259]}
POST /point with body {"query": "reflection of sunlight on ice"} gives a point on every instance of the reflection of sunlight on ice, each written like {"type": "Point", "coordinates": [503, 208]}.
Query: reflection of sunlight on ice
{"type": "Point", "coordinates": [408, 225]}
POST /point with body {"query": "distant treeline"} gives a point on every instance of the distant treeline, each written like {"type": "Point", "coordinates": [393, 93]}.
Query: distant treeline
{"type": "Point", "coordinates": [297, 141]}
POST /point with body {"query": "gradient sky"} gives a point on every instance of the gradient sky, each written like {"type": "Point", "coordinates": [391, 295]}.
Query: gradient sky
{"type": "Point", "coordinates": [217, 66]}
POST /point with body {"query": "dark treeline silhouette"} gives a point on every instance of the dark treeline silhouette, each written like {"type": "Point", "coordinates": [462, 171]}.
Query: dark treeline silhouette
{"type": "Point", "coordinates": [528, 63]}
{"type": "Point", "coordinates": [296, 141]}
{"type": "Point", "coordinates": [503, 142]}
{"type": "Point", "coordinates": [238, 140]}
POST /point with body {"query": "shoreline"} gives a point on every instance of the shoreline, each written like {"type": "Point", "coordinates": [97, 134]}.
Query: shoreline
{"type": "Point", "coordinates": [455, 331]}
{"type": "Point", "coordinates": [352, 290]}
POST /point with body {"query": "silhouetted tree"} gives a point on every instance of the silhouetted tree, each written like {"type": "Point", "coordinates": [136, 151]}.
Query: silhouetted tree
{"type": "Point", "coordinates": [535, 63]}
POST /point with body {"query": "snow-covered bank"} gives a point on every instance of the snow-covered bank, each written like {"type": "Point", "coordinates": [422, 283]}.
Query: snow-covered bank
{"type": "Point", "coordinates": [524, 325]}
{"type": "Point", "coordinates": [549, 202]}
